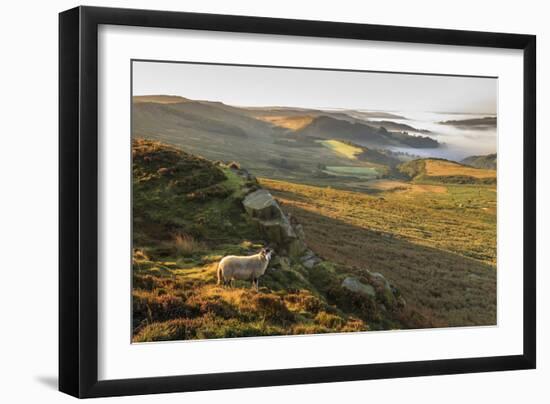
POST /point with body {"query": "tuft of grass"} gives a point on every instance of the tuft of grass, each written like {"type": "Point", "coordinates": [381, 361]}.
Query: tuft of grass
{"type": "Point", "coordinates": [187, 245]}
{"type": "Point", "coordinates": [330, 321]}
{"type": "Point", "coordinates": [272, 308]}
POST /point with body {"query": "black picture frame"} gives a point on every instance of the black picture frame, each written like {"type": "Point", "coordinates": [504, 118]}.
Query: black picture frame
{"type": "Point", "coordinates": [78, 201]}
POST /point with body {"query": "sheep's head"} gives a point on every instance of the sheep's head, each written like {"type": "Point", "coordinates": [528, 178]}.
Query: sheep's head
{"type": "Point", "coordinates": [267, 253]}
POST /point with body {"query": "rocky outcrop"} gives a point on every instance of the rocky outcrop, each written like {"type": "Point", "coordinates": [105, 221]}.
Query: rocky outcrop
{"type": "Point", "coordinates": [309, 259]}
{"type": "Point", "coordinates": [377, 288]}
{"type": "Point", "coordinates": [261, 205]}
{"type": "Point", "coordinates": [288, 236]}
{"type": "Point", "coordinates": [356, 286]}
{"type": "Point", "coordinates": [264, 210]}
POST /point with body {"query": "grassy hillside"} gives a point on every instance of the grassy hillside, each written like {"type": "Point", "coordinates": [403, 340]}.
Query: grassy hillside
{"type": "Point", "coordinates": [325, 127]}
{"type": "Point", "coordinates": [352, 151]}
{"type": "Point", "coordinates": [395, 126]}
{"type": "Point", "coordinates": [413, 233]}
{"type": "Point", "coordinates": [439, 170]}
{"type": "Point", "coordinates": [488, 161]}
{"type": "Point", "coordinates": [365, 163]}
{"type": "Point", "coordinates": [348, 150]}
{"type": "Point", "coordinates": [293, 122]}
{"type": "Point", "coordinates": [195, 117]}
{"type": "Point", "coordinates": [187, 215]}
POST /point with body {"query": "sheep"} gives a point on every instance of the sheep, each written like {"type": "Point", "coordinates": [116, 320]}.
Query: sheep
{"type": "Point", "coordinates": [244, 268]}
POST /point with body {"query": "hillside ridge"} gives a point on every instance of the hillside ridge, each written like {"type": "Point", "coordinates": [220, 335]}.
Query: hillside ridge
{"type": "Point", "coordinates": [446, 171]}
{"type": "Point", "coordinates": [486, 161]}
{"type": "Point", "coordinates": [326, 127]}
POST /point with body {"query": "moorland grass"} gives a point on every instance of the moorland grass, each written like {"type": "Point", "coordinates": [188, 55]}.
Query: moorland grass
{"type": "Point", "coordinates": [439, 247]}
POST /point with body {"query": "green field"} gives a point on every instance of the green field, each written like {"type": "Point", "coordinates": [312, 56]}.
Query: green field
{"type": "Point", "coordinates": [347, 171]}
{"type": "Point", "coordinates": [342, 148]}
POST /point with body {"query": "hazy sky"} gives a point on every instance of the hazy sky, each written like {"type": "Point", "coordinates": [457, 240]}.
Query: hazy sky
{"type": "Point", "coordinates": [253, 86]}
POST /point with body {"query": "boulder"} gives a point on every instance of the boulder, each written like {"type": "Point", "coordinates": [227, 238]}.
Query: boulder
{"type": "Point", "coordinates": [261, 205]}
{"type": "Point", "coordinates": [379, 280]}
{"type": "Point", "coordinates": [310, 263]}
{"type": "Point", "coordinates": [385, 290]}
{"type": "Point", "coordinates": [354, 285]}
{"type": "Point", "coordinates": [309, 259]}
{"type": "Point", "coordinates": [278, 231]}
{"type": "Point", "coordinates": [270, 218]}
{"type": "Point", "coordinates": [308, 254]}
{"type": "Point", "coordinates": [296, 248]}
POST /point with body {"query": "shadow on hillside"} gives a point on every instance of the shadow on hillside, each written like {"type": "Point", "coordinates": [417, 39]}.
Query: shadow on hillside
{"type": "Point", "coordinates": [453, 289]}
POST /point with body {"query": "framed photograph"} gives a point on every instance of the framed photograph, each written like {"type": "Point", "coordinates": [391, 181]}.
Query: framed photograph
{"type": "Point", "coordinates": [252, 202]}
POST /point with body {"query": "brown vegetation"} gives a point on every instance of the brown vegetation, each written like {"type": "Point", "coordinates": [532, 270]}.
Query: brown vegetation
{"type": "Point", "coordinates": [444, 269]}
{"type": "Point", "coordinates": [437, 168]}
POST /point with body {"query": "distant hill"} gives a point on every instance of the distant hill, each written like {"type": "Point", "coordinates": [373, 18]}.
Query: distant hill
{"type": "Point", "coordinates": [194, 116]}
{"type": "Point", "coordinates": [396, 126]}
{"type": "Point", "coordinates": [446, 171]}
{"type": "Point", "coordinates": [479, 123]}
{"type": "Point", "coordinates": [361, 114]}
{"type": "Point", "coordinates": [166, 112]}
{"type": "Point", "coordinates": [325, 127]}
{"type": "Point", "coordinates": [297, 118]}
{"type": "Point", "coordinates": [282, 143]}
{"type": "Point", "coordinates": [160, 99]}
{"type": "Point", "coordinates": [221, 132]}
{"type": "Point", "coordinates": [489, 161]}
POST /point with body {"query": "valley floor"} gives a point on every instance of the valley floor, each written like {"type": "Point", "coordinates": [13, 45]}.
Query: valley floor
{"type": "Point", "coordinates": [437, 242]}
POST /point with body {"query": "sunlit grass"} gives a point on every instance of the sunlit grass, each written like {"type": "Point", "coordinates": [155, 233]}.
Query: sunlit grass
{"type": "Point", "coordinates": [436, 168]}
{"type": "Point", "coordinates": [342, 148]}
{"type": "Point", "coordinates": [288, 122]}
